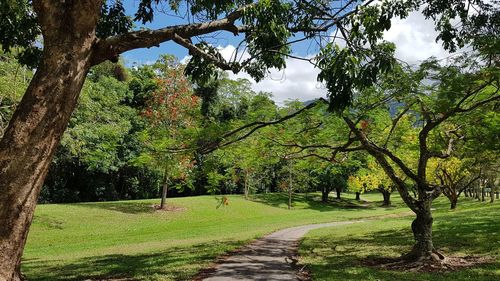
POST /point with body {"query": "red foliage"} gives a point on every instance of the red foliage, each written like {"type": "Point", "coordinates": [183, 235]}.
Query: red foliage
{"type": "Point", "coordinates": [364, 125]}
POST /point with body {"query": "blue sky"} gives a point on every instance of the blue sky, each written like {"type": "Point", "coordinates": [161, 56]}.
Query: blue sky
{"type": "Point", "coordinates": [142, 56]}
{"type": "Point", "coordinates": [414, 38]}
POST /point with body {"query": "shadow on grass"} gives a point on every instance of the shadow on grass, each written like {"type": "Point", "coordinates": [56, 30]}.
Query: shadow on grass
{"type": "Point", "coordinates": [176, 263]}
{"type": "Point", "coordinates": [127, 207]}
{"type": "Point", "coordinates": [466, 233]}
{"type": "Point", "coordinates": [311, 201]}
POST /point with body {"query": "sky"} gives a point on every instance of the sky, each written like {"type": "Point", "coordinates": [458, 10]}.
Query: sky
{"type": "Point", "coordinates": [414, 38]}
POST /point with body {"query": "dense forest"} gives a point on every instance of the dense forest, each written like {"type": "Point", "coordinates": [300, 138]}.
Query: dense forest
{"type": "Point", "coordinates": [145, 130]}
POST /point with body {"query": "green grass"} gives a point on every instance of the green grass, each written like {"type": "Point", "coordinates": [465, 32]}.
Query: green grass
{"type": "Point", "coordinates": [128, 239]}
{"type": "Point", "coordinates": [473, 229]}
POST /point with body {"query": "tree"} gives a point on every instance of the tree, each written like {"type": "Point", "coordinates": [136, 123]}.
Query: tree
{"type": "Point", "coordinates": [330, 176]}
{"type": "Point", "coordinates": [454, 175]}
{"type": "Point", "coordinates": [456, 89]}
{"type": "Point", "coordinates": [402, 140]}
{"type": "Point", "coordinates": [372, 177]}
{"type": "Point", "coordinates": [93, 31]}
{"type": "Point", "coordinates": [171, 112]}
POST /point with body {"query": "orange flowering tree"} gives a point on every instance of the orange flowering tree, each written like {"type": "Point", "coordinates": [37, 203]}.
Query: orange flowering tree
{"type": "Point", "coordinates": [172, 116]}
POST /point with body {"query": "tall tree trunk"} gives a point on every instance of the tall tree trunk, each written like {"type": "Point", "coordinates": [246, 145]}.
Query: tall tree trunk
{"type": "Point", "coordinates": [164, 190]}
{"type": "Point", "coordinates": [40, 119]}
{"type": "Point", "coordinates": [497, 194]}
{"type": "Point", "coordinates": [492, 195]}
{"type": "Point", "coordinates": [357, 196]}
{"type": "Point", "coordinates": [466, 193]}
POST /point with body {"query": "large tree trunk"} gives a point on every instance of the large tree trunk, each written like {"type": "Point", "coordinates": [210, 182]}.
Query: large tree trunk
{"type": "Point", "coordinates": [422, 233]}
{"type": "Point", "coordinates": [338, 191]}
{"type": "Point", "coordinates": [492, 195]}
{"type": "Point", "coordinates": [357, 196]}
{"type": "Point", "coordinates": [40, 119]}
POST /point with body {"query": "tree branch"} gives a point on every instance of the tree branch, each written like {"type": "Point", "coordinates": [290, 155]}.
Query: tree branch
{"type": "Point", "coordinates": [395, 122]}
{"type": "Point", "coordinates": [111, 47]}
{"type": "Point", "coordinates": [254, 126]}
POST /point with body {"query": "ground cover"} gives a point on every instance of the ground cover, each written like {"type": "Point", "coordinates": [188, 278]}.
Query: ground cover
{"type": "Point", "coordinates": [129, 239]}
{"type": "Point", "coordinates": [343, 253]}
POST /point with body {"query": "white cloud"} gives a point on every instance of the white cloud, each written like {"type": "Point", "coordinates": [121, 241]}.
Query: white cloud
{"type": "Point", "coordinates": [415, 39]}
{"type": "Point", "coordinates": [297, 81]}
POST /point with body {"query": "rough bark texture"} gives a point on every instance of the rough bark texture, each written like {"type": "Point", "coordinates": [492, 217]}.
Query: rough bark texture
{"type": "Point", "coordinates": [422, 232]}
{"type": "Point", "coordinates": [39, 121]}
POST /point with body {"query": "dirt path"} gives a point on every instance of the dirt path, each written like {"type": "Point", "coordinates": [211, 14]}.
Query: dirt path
{"type": "Point", "coordinates": [269, 258]}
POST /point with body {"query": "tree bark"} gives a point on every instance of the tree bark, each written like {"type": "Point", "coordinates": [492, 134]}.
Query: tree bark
{"type": "Point", "coordinates": [338, 191]}
{"type": "Point", "coordinates": [452, 197]}
{"type": "Point", "coordinates": [245, 187]}
{"type": "Point", "coordinates": [164, 192]}
{"type": "Point", "coordinates": [387, 197]}
{"type": "Point", "coordinates": [453, 203]}
{"type": "Point", "coordinates": [492, 195]}
{"type": "Point", "coordinates": [35, 129]}
{"type": "Point", "coordinates": [422, 233]}
{"type": "Point", "coordinates": [357, 196]}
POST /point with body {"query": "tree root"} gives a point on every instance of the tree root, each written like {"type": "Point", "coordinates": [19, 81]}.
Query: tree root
{"type": "Point", "coordinates": [432, 262]}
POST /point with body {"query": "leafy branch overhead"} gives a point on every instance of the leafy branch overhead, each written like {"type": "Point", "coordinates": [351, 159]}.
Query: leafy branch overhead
{"type": "Point", "coordinates": [269, 29]}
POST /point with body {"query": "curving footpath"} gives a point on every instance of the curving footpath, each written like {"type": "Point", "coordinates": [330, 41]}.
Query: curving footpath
{"type": "Point", "coordinates": [269, 258]}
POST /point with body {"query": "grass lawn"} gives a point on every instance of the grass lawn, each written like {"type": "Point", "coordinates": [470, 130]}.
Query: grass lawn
{"type": "Point", "coordinates": [473, 229]}
{"type": "Point", "coordinates": [127, 239]}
